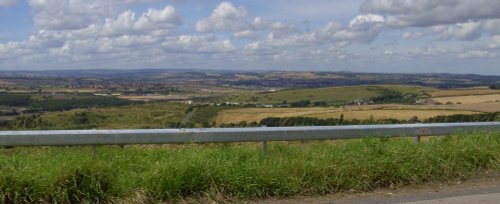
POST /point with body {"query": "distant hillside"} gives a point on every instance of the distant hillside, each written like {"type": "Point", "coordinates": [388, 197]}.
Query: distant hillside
{"type": "Point", "coordinates": [270, 78]}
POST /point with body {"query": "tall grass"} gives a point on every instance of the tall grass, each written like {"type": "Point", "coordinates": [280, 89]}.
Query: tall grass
{"type": "Point", "coordinates": [238, 171]}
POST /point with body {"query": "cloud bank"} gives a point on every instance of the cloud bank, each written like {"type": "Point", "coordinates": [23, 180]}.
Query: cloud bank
{"type": "Point", "coordinates": [112, 34]}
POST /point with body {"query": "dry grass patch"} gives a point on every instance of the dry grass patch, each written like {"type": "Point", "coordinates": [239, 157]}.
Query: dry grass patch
{"type": "Point", "coordinates": [463, 92]}
{"type": "Point", "coordinates": [477, 107]}
{"type": "Point", "coordinates": [257, 114]}
{"type": "Point", "coordinates": [468, 99]}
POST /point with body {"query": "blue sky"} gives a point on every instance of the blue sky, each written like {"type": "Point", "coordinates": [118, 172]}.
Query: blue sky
{"type": "Point", "coordinates": [453, 36]}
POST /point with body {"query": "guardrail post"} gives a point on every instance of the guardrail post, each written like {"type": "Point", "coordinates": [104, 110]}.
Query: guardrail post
{"type": "Point", "coordinates": [416, 139]}
{"type": "Point", "coordinates": [264, 148]}
{"type": "Point", "coordinates": [94, 153]}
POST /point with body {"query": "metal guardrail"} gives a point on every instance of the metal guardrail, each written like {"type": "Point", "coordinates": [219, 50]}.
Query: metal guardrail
{"type": "Point", "coordinates": [224, 135]}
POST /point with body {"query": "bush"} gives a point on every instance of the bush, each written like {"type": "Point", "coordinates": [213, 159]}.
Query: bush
{"type": "Point", "coordinates": [84, 185]}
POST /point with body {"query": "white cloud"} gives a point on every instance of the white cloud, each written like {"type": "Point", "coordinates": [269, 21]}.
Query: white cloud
{"type": "Point", "coordinates": [7, 3]}
{"type": "Point", "coordinates": [448, 19]}
{"type": "Point", "coordinates": [409, 36]}
{"type": "Point", "coordinates": [197, 44]}
{"type": "Point", "coordinates": [167, 17]}
{"type": "Point", "coordinates": [112, 34]}
{"type": "Point", "coordinates": [225, 17]}
{"type": "Point", "coordinates": [327, 32]}
{"type": "Point", "coordinates": [494, 42]}
{"type": "Point", "coordinates": [245, 34]}
{"type": "Point", "coordinates": [460, 31]}
{"type": "Point", "coordinates": [74, 14]}
{"type": "Point", "coordinates": [430, 12]}
{"type": "Point", "coordinates": [363, 28]}
{"type": "Point", "coordinates": [476, 54]}
{"type": "Point", "coordinates": [155, 22]}
{"type": "Point", "coordinates": [122, 35]}
{"type": "Point", "coordinates": [492, 26]}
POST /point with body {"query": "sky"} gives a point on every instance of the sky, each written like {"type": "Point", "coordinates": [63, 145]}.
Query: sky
{"type": "Point", "coordinates": [391, 36]}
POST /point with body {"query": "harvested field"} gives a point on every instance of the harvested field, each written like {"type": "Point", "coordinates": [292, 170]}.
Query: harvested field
{"type": "Point", "coordinates": [479, 107]}
{"type": "Point", "coordinates": [468, 99]}
{"type": "Point", "coordinates": [257, 114]}
{"type": "Point", "coordinates": [483, 107]}
{"type": "Point", "coordinates": [463, 92]}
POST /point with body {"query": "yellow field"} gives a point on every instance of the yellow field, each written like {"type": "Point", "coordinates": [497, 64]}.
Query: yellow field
{"type": "Point", "coordinates": [478, 107]}
{"type": "Point", "coordinates": [155, 97]}
{"type": "Point", "coordinates": [257, 114]}
{"type": "Point", "coordinates": [468, 99]}
{"type": "Point", "coordinates": [464, 92]}
{"type": "Point", "coordinates": [483, 107]}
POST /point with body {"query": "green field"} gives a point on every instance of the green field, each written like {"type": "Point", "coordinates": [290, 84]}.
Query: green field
{"type": "Point", "coordinates": [331, 95]}
{"type": "Point", "coordinates": [236, 172]}
{"type": "Point", "coordinates": [205, 115]}
{"type": "Point", "coordinates": [149, 115]}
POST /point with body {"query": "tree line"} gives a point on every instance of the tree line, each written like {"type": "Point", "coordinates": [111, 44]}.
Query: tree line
{"type": "Point", "coordinates": [47, 104]}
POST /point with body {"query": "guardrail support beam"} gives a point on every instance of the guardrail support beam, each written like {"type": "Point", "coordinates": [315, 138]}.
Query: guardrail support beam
{"type": "Point", "coordinates": [227, 135]}
{"type": "Point", "coordinates": [416, 139]}
{"type": "Point", "coordinates": [264, 148]}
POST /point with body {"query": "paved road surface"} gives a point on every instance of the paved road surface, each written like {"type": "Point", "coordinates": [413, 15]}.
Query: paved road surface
{"type": "Point", "coordinates": [485, 189]}
{"type": "Point", "coordinates": [492, 198]}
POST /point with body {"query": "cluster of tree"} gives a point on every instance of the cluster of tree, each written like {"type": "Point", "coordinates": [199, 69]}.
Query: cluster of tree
{"type": "Point", "coordinates": [306, 103]}
{"type": "Point", "coordinates": [494, 86]}
{"type": "Point", "coordinates": [68, 104]}
{"type": "Point", "coordinates": [301, 103]}
{"type": "Point", "coordinates": [153, 89]}
{"type": "Point", "coordinates": [25, 122]}
{"type": "Point", "coordinates": [203, 115]}
{"type": "Point", "coordinates": [15, 99]}
{"type": "Point", "coordinates": [85, 120]}
{"type": "Point", "coordinates": [480, 117]}
{"type": "Point", "coordinates": [51, 104]}
{"type": "Point", "coordinates": [9, 113]}
{"type": "Point", "coordinates": [308, 121]}
{"type": "Point", "coordinates": [392, 96]}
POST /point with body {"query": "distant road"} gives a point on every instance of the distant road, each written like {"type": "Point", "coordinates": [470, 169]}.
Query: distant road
{"type": "Point", "coordinates": [481, 190]}
{"type": "Point", "coordinates": [188, 116]}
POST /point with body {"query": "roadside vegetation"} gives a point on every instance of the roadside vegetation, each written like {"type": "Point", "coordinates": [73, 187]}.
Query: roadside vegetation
{"type": "Point", "coordinates": [232, 172]}
{"type": "Point", "coordinates": [149, 115]}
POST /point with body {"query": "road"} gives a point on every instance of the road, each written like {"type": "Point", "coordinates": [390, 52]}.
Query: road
{"type": "Point", "coordinates": [188, 116]}
{"type": "Point", "coordinates": [484, 189]}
